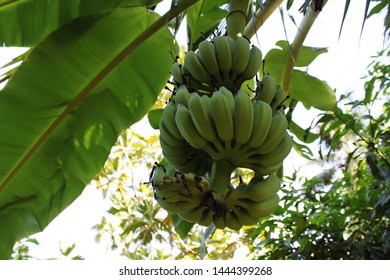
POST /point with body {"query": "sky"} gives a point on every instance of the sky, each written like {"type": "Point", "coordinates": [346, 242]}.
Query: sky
{"type": "Point", "coordinates": [342, 67]}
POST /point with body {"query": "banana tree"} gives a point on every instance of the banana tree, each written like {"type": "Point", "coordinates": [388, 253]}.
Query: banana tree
{"type": "Point", "coordinates": [94, 68]}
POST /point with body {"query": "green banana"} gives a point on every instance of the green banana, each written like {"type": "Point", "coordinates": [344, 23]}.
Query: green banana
{"type": "Point", "coordinates": [262, 117]}
{"type": "Point", "coordinates": [241, 55]}
{"type": "Point", "coordinates": [185, 158]}
{"type": "Point", "coordinates": [222, 117]}
{"type": "Point", "coordinates": [232, 222]}
{"type": "Point", "coordinates": [259, 191]}
{"type": "Point", "coordinates": [166, 190]}
{"type": "Point", "coordinates": [168, 118]}
{"type": "Point", "coordinates": [278, 99]}
{"type": "Point", "coordinates": [170, 186]}
{"type": "Point", "coordinates": [265, 90]}
{"type": "Point", "coordinates": [179, 206]}
{"type": "Point", "coordinates": [243, 217]}
{"type": "Point", "coordinates": [261, 170]}
{"type": "Point", "coordinates": [176, 73]}
{"type": "Point", "coordinates": [190, 133]}
{"type": "Point", "coordinates": [172, 197]}
{"type": "Point", "coordinates": [201, 88]}
{"type": "Point", "coordinates": [257, 178]}
{"type": "Point", "coordinates": [207, 218]}
{"type": "Point", "coordinates": [219, 222]}
{"type": "Point", "coordinates": [253, 66]}
{"type": "Point", "coordinates": [183, 184]}
{"type": "Point", "coordinates": [200, 114]}
{"type": "Point", "coordinates": [195, 67]}
{"type": "Point", "coordinates": [177, 156]}
{"type": "Point", "coordinates": [168, 138]}
{"type": "Point", "coordinates": [275, 135]}
{"type": "Point", "coordinates": [223, 52]}
{"type": "Point", "coordinates": [182, 95]}
{"type": "Point", "coordinates": [196, 185]}
{"type": "Point", "coordinates": [278, 154]}
{"type": "Point", "coordinates": [206, 54]}
{"type": "Point", "coordinates": [259, 209]}
{"type": "Point", "coordinates": [243, 118]}
{"type": "Point", "coordinates": [182, 192]}
{"type": "Point", "coordinates": [192, 215]}
{"type": "Point", "coordinates": [198, 163]}
{"type": "Point", "coordinates": [229, 98]}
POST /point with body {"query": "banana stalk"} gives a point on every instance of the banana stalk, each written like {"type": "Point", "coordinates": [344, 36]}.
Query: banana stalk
{"type": "Point", "coordinates": [236, 19]}
{"type": "Point", "coordinates": [260, 17]}
{"type": "Point", "coordinates": [221, 172]}
{"type": "Point", "coordinates": [303, 30]}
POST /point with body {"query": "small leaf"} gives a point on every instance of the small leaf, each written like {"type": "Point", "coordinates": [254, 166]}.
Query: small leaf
{"type": "Point", "coordinates": [303, 134]}
{"type": "Point", "coordinates": [369, 88]}
{"type": "Point", "coordinates": [306, 55]}
{"type": "Point", "coordinates": [372, 163]}
{"type": "Point", "coordinates": [154, 117]}
{"type": "Point", "coordinates": [365, 17]}
{"type": "Point", "coordinates": [378, 8]}
{"type": "Point", "coordinates": [311, 91]}
{"type": "Point", "coordinates": [303, 151]}
{"type": "Point", "coordinates": [344, 15]}
{"type": "Point", "coordinates": [289, 4]}
{"type": "Point", "coordinates": [202, 19]}
{"type": "Point", "coordinates": [182, 227]}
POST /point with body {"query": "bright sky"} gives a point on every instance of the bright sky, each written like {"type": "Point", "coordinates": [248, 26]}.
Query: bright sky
{"type": "Point", "coordinates": [341, 67]}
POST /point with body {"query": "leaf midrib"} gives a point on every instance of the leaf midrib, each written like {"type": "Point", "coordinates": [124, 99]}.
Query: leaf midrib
{"type": "Point", "coordinates": [153, 28]}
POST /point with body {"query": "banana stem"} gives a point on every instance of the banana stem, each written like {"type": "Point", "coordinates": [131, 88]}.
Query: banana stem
{"type": "Point", "coordinates": [236, 19]}
{"type": "Point", "coordinates": [260, 17]}
{"type": "Point", "coordinates": [295, 48]}
{"type": "Point", "coordinates": [221, 172]}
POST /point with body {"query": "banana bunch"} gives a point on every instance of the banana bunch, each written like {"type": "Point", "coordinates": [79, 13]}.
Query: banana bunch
{"type": "Point", "coordinates": [248, 203]}
{"type": "Point", "coordinates": [184, 194]}
{"type": "Point", "coordinates": [224, 126]}
{"type": "Point", "coordinates": [222, 62]}
{"type": "Point", "coordinates": [211, 127]}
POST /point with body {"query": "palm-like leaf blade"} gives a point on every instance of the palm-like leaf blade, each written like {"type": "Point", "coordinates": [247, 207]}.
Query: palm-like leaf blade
{"type": "Point", "coordinates": [24, 23]}
{"type": "Point", "coordinates": [63, 109]}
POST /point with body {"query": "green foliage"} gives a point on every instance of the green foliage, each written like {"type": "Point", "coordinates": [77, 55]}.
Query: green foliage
{"type": "Point", "coordinates": [135, 225]}
{"type": "Point", "coordinates": [202, 19]}
{"type": "Point", "coordinates": [25, 23]}
{"type": "Point", "coordinates": [343, 212]}
{"type": "Point", "coordinates": [96, 68]}
{"type": "Point", "coordinates": [154, 117]}
{"type": "Point", "coordinates": [22, 251]}
{"type": "Point", "coordinates": [64, 108]}
{"type": "Point", "coordinates": [302, 84]}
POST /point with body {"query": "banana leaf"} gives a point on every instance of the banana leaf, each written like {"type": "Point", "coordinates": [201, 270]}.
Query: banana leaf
{"type": "Point", "coordinates": [63, 109]}
{"type": "Point", "coordinates": [202, 20]}
{"type": "Point", "coordinates": [309, 90]}
{"type": "Point", "coordinates": [25, 23]}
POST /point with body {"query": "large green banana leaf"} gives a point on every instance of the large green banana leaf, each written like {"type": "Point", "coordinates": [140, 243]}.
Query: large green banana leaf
{"type": "Point", "coordinates": [64, 108]}
{"type": "Point", "coordinates": [24, 23]}
{"type": "Point", "coordinates": [309, 90]}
